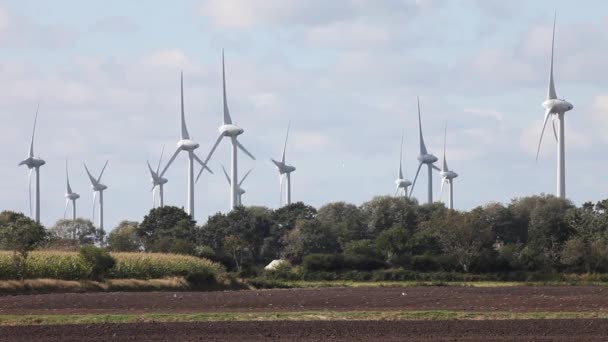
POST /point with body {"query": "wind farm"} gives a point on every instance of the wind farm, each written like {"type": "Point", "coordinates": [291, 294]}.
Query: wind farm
{"type": "Point", "coordinates": [314, 228]}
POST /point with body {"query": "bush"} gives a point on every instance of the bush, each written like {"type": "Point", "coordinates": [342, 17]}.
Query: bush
{"type": "Point", "coordinates": [338, 262]}
{"type": "Point", "coordinates": [98, 260]}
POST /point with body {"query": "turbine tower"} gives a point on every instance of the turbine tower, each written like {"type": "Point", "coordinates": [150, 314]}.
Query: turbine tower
{"type": "Point", "coordinates": [34, 164]}
{"type": "Point", "coordinates": [447, 175]}
{"type": "Point", "coordinates": [556, 108]}
{"type": "Point", "coordinates": [240, 190]}
{"type": "Point", "coordinates": [98, 187]}
{"type": "Point", "coordinates": [157, 180]}
{"type": "Point", "coordinates": [284, 170]}
{"type": "Point", "coordinates": [232, 131]}
{"type": "Point", "coordinates": [69, 194]}
{"type": "Point", "coordinates": [401, 182]}
{"type": "Point", "coordinates": [424, 158]}
{"type": "Point", "coordinates": [187, 145]}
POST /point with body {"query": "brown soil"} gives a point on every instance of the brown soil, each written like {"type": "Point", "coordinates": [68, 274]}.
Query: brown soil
{"type": "Point", "coordinates": [517, 299]}
{"type": "Point", "coordinates": [528, 330]}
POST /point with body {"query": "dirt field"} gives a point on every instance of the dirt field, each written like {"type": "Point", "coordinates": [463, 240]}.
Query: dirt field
{"type": "Point", "coordinates": [468, 299]}
{"type": "Point", "coordinates": [529, 330]}
{"type": "Point", "coordinates": [516, 299]}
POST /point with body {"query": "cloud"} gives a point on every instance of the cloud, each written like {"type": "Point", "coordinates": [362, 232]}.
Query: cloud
{"type": "Point", "coordinates": [21, 32]}
{"type": "Point", "coordinates": [114, 24]}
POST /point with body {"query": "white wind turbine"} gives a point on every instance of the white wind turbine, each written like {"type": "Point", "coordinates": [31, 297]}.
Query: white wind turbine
{"type": "Point", "coordinates": [556, 108]}
{"type": "Point", "coordinates": [424, 158]}
{"type": "Point", "coordinates": [98, 187]}
{"type": "Point", "coordinates": [187, 145]}
{"type": "Point", "coordinates": [69, 194]}
{"type": "Point", "coordinates": [232, 131]}
{"type": "Point", "coordinates": [401, 182]}
{"type": "Point", "coordinates": [240, 190]}
{"type": "Point", "coordinates": [157, 181]}
{"type": "Point", "coordinates": [34, 164]}
{"type": "Point", "coordinates": [447, 175]}
{"type": "Point", "coordinates": [284, 170]}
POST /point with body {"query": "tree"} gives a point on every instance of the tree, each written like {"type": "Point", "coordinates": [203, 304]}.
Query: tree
{"type": "Point", "coordinates": [463, 235]}
{"type": "Point", "coordinates": [502, 223]}
{"type": "Point", "coordinates": [124, 238]}
{"type": "Point", "coordinates": [237, 248]}
{"type": "Point", "coordinates": [393, 241]}
{"type": "Point", "coordinates": [80, 231]}
{"type": "Point", "coordinates": [167, 229]}
{"type": "Point", "coordinates": [344, 220]}
{"type": "Point", "coordinates": [384, 212]}
{"type": "Point", "coordinates": [308, 236]}
{"type": "Point", "coordinates": [22, 235]}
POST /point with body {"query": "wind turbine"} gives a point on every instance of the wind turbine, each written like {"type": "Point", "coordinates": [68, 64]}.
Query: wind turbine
{"type": "Point", "coordinates": [34, 164]}
{"type": "Point", "coordinates": [187, 145]}
{"type": "Point", "coordinates": [157, 180]}
{"type": "Point", "coordinates": [232, 131]}
{"type": "Point", "coordinates": [284, 170]}
{"type": "Point", "coordinates": [447, 175]}
{"type": "Point", "coordinates": [98, 187]}
{"type": "Point", "coordinates": [240, 190]}
{"type": "Point", "coordinates": [401, 182]}
{"type": "Point", "coordinates": [556, 108]}
{"type": "Point", "coordinates": [69, 194]}
{"type": "Point", "coordinates": [424, 158]}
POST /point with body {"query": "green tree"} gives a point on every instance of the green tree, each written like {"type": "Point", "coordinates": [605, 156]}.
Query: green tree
{"type": "Point", "coordinates": [393, 241]}
{"type": "Point", "coordinates": [384, 212]}
{"type": "Point", "coordinates": [21, 235]}
{"type": "Point", "coordinates": [167, 229]}
{"type": "Point", "coordinates": [124, 238]}
{"type": "Point", "coordinates": [463, 236]}
{"type": "Point", "coordinates": [81, 231]}
{"type": "Point", "coordinates": [308, 236]}
{"type": "Point", "coordinates": [344, 220]}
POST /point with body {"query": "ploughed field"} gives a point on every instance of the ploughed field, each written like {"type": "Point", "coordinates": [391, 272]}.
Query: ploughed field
{"type": "Point", "coordinates": [333, 310]}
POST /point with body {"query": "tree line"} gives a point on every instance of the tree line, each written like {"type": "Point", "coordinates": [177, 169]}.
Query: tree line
{"type": "Point", "coordinates": [536, 233]}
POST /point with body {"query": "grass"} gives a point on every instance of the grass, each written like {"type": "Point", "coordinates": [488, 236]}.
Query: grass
{"type": "Point", "coordinates": [30, 286]}
{"type": "Point", "coordinates": [292, 316]}
{"type": "Point", "coordinates": [409, 283]}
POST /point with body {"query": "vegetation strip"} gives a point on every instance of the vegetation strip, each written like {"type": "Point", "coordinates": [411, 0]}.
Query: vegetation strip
{"type": "Point", "coordinates": [407, 283]}
{"type": "Point", "coordinates": [13, 320]}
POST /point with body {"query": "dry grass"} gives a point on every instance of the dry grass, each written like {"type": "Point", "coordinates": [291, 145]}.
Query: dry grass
{"type": "Point", "coordinates": [30, 286]}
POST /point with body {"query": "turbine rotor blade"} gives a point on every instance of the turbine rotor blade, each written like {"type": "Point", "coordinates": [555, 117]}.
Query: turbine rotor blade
{"type": "Point", "coordinates": [239, 145]}
{"type": "Point", "coordinates": [401, 157]}
{"type": "Point", "coordinates": [91, 178]}
{"type": "Point", "coordinates": [185, 134]}
{"type": "Point", "coordinates": [396, 191]}
{"type": "Point", "coordinates": [204, 166]}
{"type": "Point", "coordinates": [226, 174]}
{"type": "Point", "coordinates": [443, 180]}
{"type": "Point", "coordinates": [217, 142]}
{"type": "Point", "coordinates": [547, 114]}
{"type": "Point", "coordinates": [227, 119]}
{"type": "Point", "coordinates": [285, 145]}
{"type": "Point", "coordinates": [67, 177]}
{"type": "Point", "coordinates": [415, 179]}
{"type": "Point", "coordinates": [170, 161]}
{"type": "Point", "coordinates": [554, 130]}
{"type": "Point", "coordinates": [423, 150]}
{"type": "Point", "coordinates": [281, 178]}
{"type": "Point", "coordinates": [65, 210]}
{"type": "Point", "coordinates": [152, 173]}
{"type": "Point", "coordinates": [162, 151]}
{"type": "Point", "coordinates": [94, 203]}
{"type": "Point", "coordinates": [31, 151]}
{"type": "Point", "coordinates": [551, 94]}
{"type": "Point", "coordinates": [445, 135]}
{"type": "Point", "coordinates": [29, 180]}
{"type": "Point", "coordinates": [244, 177]}
{"type": "Point", "coordinates": [102, 170]}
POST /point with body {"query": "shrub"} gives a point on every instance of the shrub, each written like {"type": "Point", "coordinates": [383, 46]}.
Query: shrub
{"type": "Point", "coordinates": [338, 262]}
{"type": "Point", "coordinates": [98, 260]}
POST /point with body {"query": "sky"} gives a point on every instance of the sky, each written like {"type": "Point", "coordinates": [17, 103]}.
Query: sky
{"type": "Point", "coordinates": [345, 73]}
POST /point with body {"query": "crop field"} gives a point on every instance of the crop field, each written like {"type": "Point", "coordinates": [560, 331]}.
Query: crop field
{"type": "Point", "coordinates": [430, 313]}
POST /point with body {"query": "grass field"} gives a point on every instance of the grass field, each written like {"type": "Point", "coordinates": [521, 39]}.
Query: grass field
{"type": "Point", "coordinates": [291, 316]}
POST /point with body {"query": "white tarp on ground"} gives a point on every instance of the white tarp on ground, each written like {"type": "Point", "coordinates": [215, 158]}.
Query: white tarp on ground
{"type": "Point", "coordinates": [274, 264]}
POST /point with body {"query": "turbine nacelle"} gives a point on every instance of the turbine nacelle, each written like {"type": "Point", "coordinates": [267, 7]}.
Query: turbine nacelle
{"type": "Point", "coordinates": [32, 162]}
{"type": "Point", "coordinates": [448, 174]}
{"type": "Point", "coordinates": [403, 183]}
{"type": "Point", "coordinates": [159, 181]}
{"type": "Point", "coordinates": [426, 158]}
{"type": "Point", "coordinates": [231, 130]}
{"type": "Point", "coordinates": [557, 106]}
{"type": "Point", "coordinates": [187, 145]}
{"type": "Point", "coordinates": [99, 187]}
{"type": "Point", "coordinates": [72, 197]}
